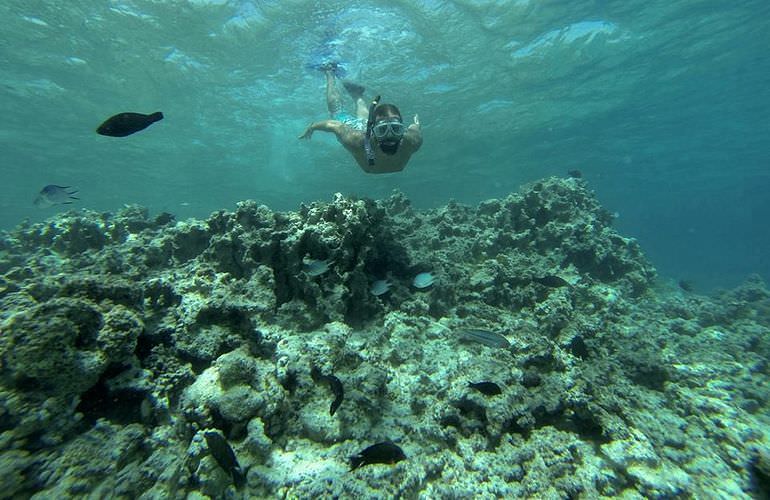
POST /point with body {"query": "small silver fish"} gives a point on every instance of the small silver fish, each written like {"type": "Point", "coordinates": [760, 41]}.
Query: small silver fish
{"type": "Point", "coordinates": [423, 280]}
{"type": "Point", "coordinates": [55, 195]}
{"type": "Point", "coordinates": [490, 339]}
{"type": "Point", "coordinates": [380, 287]}
{"type": "Point", "coordinates": [315, 267]}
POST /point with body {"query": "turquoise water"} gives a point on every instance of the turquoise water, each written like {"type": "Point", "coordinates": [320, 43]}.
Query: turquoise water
{"type": "Point", "coordinates": [662, 105]}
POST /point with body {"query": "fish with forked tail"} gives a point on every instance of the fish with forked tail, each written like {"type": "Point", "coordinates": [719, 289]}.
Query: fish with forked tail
{"type": "Point", "coordinates": [334, 384]}
{"type": "Point", "coordinates": [55, 195]}
{"type": "Point", "coordinates": [224, 455]}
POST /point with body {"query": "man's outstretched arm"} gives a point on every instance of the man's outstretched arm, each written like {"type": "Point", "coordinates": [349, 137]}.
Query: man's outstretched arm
{"type": "Point", "coordinates": [334, 126]}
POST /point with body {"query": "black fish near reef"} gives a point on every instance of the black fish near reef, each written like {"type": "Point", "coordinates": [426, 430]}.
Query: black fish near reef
{"type": "Point", "coordinates": [124, 124]}
{"type": "Point", "coordinates": [486, 388]}
{"type": "Point", "coordinates": [225, 456]}
{"type": "Point", "coordinates": [380, 453]}
{"type": "Point", "coordinates": [334, 384]}
{"type": "Point", "coordinates": [551, 281]}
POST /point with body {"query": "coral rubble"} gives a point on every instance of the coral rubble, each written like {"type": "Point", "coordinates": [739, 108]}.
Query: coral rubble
{"type": "Point", "coordinates": [125, 338]}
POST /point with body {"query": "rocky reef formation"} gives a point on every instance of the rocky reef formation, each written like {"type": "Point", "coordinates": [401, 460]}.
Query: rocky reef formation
{"type": "Point", "coordinates": [124, 337]}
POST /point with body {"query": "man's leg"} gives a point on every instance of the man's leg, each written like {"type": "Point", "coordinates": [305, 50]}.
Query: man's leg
{"type": "Point", "coordinates": [356, 92]}
{"type": "Point", "coordinates": [333, 99]}
{"type": "Point", "coordinates": [362, 110]}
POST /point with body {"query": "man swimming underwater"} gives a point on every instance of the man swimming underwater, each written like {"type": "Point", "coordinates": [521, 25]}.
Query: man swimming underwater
{"type": "Point", "coordinates": [376, 136]}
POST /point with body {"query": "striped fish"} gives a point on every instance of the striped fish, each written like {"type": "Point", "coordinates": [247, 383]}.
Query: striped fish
{"type": "Point", "coordinates": [490, 339]}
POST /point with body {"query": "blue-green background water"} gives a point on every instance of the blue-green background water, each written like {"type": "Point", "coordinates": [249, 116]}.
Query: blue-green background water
{"type": "Point", "coordinates": [664, 106]}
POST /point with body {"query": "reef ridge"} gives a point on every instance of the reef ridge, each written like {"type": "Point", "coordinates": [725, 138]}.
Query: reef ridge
{"type": "Point", "coordinates": [124, 337]}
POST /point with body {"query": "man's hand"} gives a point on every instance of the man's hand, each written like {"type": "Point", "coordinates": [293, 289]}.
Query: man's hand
{"type": "Point", "coordinates": [308, 133]}
{"type": "Point", "coordinates": [416, 125]}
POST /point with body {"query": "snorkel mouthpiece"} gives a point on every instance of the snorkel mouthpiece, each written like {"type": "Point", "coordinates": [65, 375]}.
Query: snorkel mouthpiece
{"type": "Point", "coordinates": [368, 138]}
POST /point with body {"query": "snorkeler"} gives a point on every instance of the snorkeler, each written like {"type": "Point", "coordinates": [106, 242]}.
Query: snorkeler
{"type": "Point", "coordinates": [376, 137]}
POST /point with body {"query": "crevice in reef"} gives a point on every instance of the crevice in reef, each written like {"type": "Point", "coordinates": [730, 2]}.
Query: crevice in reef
{"type": "Point", "coordinates": [120, 405]}
{"type": "Point", "coordinates": [577, 421]}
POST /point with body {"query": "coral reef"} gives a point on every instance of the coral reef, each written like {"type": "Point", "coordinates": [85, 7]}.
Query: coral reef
{"type": "Point", "coordinates": [125, 338]}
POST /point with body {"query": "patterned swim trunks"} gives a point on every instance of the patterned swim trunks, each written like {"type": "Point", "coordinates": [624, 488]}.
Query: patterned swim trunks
{"type": "Point", "coordinates": [351, 121]}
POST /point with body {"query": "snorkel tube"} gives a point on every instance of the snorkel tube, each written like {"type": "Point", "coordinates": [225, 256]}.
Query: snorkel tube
{"type": "Point", "coordinates": [368, 138]}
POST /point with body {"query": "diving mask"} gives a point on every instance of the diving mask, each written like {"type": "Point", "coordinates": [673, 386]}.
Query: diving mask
{"type": "Point", "coordinates": [393, 128]}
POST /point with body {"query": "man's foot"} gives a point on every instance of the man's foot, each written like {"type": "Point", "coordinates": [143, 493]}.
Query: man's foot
{"type": "Point", "coordinates": [328, 66]}
{"type": "Point", "coordinates": [355, 90]}
{"type": "Point", "coordinates": [333, 67]}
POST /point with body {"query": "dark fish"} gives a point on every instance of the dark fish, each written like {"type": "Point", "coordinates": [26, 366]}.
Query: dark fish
{"type": "Point", "coordinates": [334, 384]}
{"type": "Point", "coordinates": [487, 388]}
{"type": "Point", "coordinates": [489, 339]}
{"type": "Point", "coordinates": [575, 174]}
{"type": "Point", "coordinates": [55, 195]}
{"type": "Point", "coordinates": [225, 456]}
{"type": "Point", "coordinates": [551, 281]}
{"type": "Point", "coordinates": [686, 285]}
{"type": "Point", "coordinates": [124, 124]}
{"type": "Point", "coordinates": [380, 453]}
